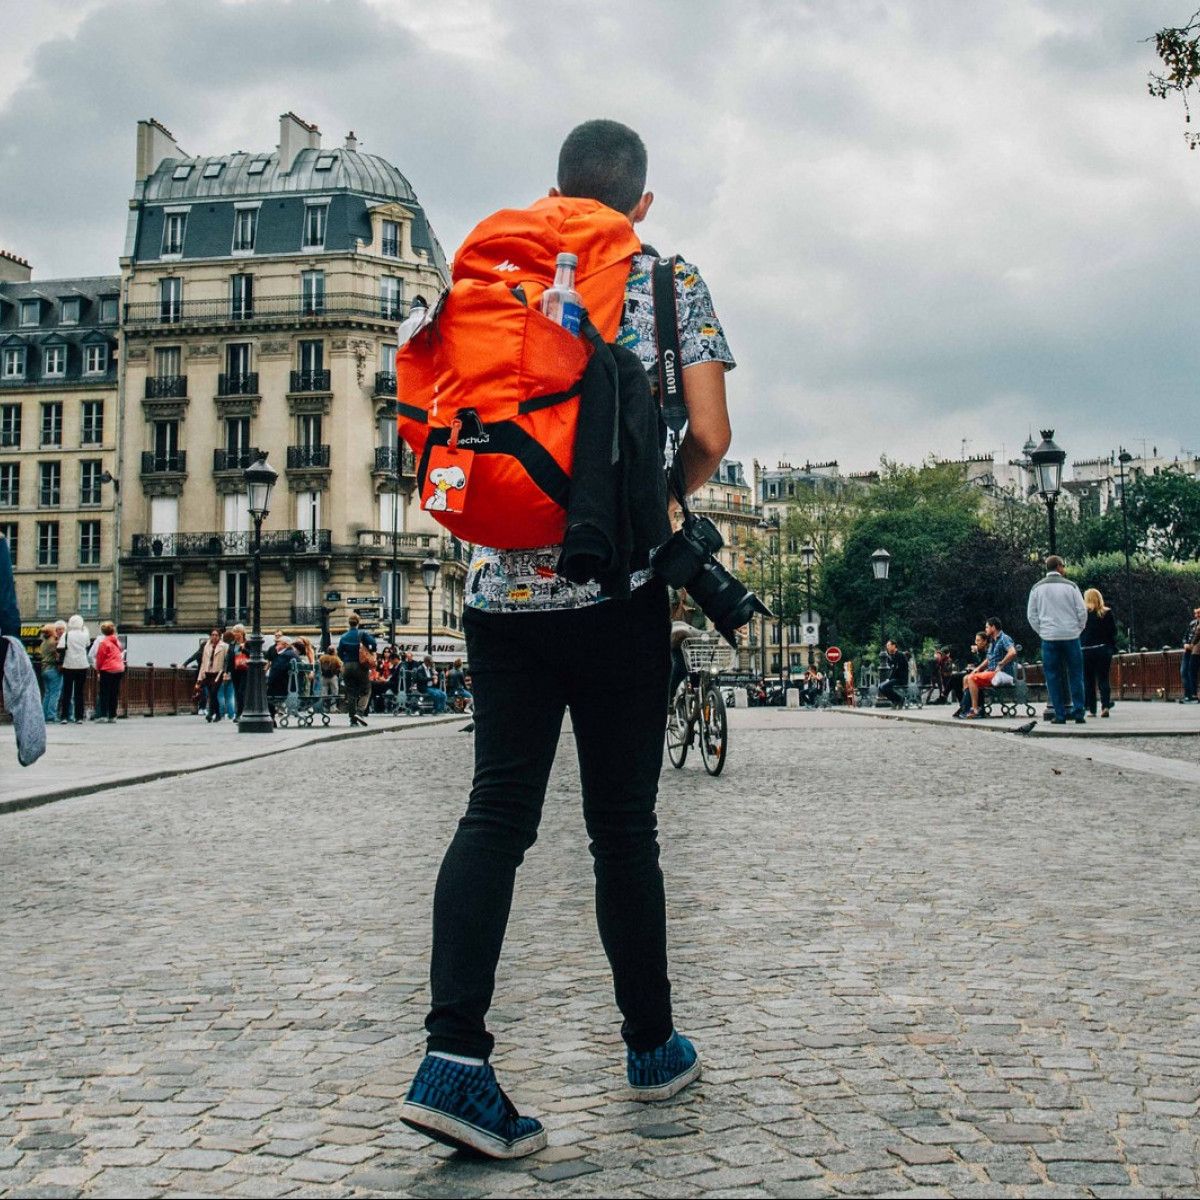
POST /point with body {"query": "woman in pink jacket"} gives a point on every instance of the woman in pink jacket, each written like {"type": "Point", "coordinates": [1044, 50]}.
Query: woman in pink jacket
{"type": "Point", "coordinates": [110, 663]}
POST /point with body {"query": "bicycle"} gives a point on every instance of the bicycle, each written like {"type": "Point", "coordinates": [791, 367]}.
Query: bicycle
{"type": "Point", "coordinates": [697, 708]}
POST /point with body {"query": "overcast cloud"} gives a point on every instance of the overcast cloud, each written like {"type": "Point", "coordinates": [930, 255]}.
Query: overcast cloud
{"type": "Point", "coordinates": [922, 221]}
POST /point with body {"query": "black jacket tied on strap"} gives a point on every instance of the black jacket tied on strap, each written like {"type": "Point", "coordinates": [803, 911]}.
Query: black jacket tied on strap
{"type": "Point", "coordinates": [617, 506]}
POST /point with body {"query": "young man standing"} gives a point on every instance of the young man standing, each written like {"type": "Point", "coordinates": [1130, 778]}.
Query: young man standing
{"type": "Point", "coordinates": [1058, 616]}
{"type": "Point", "coordinates": [538, 646]}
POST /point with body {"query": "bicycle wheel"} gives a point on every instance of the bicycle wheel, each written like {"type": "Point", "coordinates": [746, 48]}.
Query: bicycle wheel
{"type": "Point", "coordinates": [714, 731]}
{"type": "Point", "coordinates": [677, 727]}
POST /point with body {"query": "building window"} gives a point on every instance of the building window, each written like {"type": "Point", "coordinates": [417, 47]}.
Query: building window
{"type": "Point", "coordinates": [89, 598]}
{"type": "Point", "coordinates": [312, 355]}
{"type": "Point", "coordinates": [108, 310]}
{"type": "Point", "coordinates": [182, 171]}
{"type": "Point", "coordinates": [237, 359]}
{"type": "Point", "coordinates": [213, 169]}
{"type": "Point", "coordinates": [166, 444]}
{"type": "Point", "coordinates": [312, 293]}
{"type": "Point", "coordinates": [314, 226]}
{"type": "Point", "coordinates": [47, 534]}
{"type": "Point", "coordinates": [173, 233]}
{"type": "Point", "coordinates": [92, 431]}
{"type": "Point", "coordinates": [90, 470]}
{"type": "Point", "coordinates": [391, 239]}
{"type": "Point", "coordinates": [52, 424]}
{"type": "Point", "coordinates": [49, 484]}
{"type": "Point", "coordinates": [89, 543]}
{"type": "Point", "coordinates": [14, 362]}
{"type": "Point", "coordinates": [389, 298]}
{"type": "Point", "coordinates": [324, 162]}
{"type": "Point", "coordinates": [162, 596]}
{"type": "Point", "coordinates": [170, 298]}
{"type": "Point", "coordinates": [70, 311]}
{"type": "Point", "coordinates": [164, 515]}
{"type": "Point", "coordinates": [54, 361]}
{"type": "Point", "coordinates": [393, 586]}
{"type": "Point", "coordinates": [308, 512]}
{"type": "Point", "coordinates": [237, 435]}
{"type": "Point", "coordinates": [257, 166]}
{"type": "Point", "coordinates": [10, 530]}
{"type": "Point", "coordinates": [235, 596]}
{"type": "Point", "coordinates": [10, 485]}
{"type": "Point", "coordinates": [310, 430]}
{"type": "Point", "coordinates": [245, 227]}
{"type": "Point", "coordinates": [167, 361]}
{"type": "Point", "coordinates": [10, 424]}
{"type": "Point", "coordinates": [241, 297]}
{"type": "Point", "coordinates": [237, 513]}
{"type": "Point", "coordinates": [31, 312]}
{"type": "Point", "coordinates": [95, 360]}
{"type": "Point", "coordinates": [47, 601]}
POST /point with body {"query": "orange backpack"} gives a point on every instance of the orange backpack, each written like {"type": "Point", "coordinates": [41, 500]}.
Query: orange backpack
{"type": "Point", "coordinates": [488, 392]}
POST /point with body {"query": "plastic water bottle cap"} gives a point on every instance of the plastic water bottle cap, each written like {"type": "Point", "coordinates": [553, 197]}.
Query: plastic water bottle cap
{"type": "Point", "coordinates": [567, 260]}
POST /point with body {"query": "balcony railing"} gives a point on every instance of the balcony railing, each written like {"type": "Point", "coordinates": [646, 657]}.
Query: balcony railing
{"type": "Point", "coordinates": [234, 460]}
{"type": "Point", "coordinates": [164, 387]}
{"type": "Point", "coordinates": [310, 381]}
{"type": "Point", "coordinates": [307, 614]}
{"type": "Point", "coordinates": [232, 616]}
{"type": "Point", "coordinates": [318, 308]}
{"type": "Point", "coordinates": [154, 463]}
{"type": "Point", "coordinates": [724, 504]}
{"type": "Point", "coordinates": [159, 616]}
{"type": "Point", "coordinates": [300, 457]}
{"type": "Point", "coordinates": [75, 378]}
{"type": "Point", "coordinates": [378, 542]}
{"type": "Point", "coordinates": [391, 458]}
{"type": "Point", "coordinates": [385, 383]}
{"type": "Point", "coordinates": [215, 544]}
{"type": "Point", "coordinates": [243, 384]}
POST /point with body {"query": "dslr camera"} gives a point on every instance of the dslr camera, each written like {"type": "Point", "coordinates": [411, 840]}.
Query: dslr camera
{"type": "Point", "coordinates": [687, 560]}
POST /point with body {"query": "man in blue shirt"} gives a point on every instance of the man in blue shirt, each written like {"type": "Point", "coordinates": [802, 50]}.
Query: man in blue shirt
{"type": "Point", "coordinates": [355, 675]}
{"type": "Point", "coordinates": [1001, 651]}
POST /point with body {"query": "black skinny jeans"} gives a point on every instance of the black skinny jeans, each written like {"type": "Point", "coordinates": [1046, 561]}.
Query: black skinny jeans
{"type": "Point", "coordinates": [109, 694]}
{"type": "Point", "coordinates": [609, 664]}
{"type": "Point", "coordinates": [1097, 661]}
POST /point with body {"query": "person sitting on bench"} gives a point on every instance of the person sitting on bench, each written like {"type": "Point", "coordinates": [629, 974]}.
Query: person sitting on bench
{"type": "Point", "coordinates": [1001, 651]}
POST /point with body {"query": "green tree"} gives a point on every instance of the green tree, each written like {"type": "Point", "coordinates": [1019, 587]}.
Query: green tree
{"type": "Point", "coordinates": [1179, 49]}
{"type": "Point", "coordinates": [1164, 515]}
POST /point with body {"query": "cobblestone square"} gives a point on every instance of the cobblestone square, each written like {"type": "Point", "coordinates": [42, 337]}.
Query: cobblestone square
{"type": "Point", "coordinates": [916, 961]}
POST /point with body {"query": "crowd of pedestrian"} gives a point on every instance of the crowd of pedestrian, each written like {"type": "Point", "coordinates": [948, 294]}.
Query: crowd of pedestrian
{"type": "Point", "coordinates": [66, 654]}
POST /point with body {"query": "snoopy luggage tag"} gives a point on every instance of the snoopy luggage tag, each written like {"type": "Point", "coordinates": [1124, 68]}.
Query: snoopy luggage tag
{"type": "Point", "coordinates": [448, 473]}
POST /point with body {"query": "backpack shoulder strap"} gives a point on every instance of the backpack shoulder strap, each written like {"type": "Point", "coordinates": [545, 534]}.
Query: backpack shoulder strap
{"type": "Point", "coordinates": [666, 330]}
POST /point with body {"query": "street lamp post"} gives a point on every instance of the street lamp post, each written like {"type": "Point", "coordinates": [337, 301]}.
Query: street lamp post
{"type": "Point", "coordinates": [768, 523]}
{"type": "Point", "coordinates": [388, 435]}
{"type": "Point", "coordinates": [1124, 458]}
{"type": "Point", "coordinates": [1048, 461]}
{"type": "Point", "coordinates": [260, 479]}
{"type": "Point", "coordinates": [881, 566]}
{"type": "Point", "coordinates": [429, 574]}
{"type": "Point", "coordinates": [762, 620]}
{"type": "Point", "coordinates": [809, 552]}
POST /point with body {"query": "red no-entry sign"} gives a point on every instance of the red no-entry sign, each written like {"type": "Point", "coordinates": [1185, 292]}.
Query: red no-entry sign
{"type": "Point", "coordinates": [833, 655]}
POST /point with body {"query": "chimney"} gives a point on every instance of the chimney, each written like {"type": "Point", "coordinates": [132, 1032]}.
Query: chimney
{"type": "Point", "coordinates": [13, 268]}
{"type": "Point", "coordinates": [295, 135]}
{"type": "Point", "coordinates": [154, 143]}
{"type": "Point", "coordinates": [351, 142]}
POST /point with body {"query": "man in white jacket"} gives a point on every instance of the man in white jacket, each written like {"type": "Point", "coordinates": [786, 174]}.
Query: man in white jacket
{"type": "Point", "coordinates": [1057, 613]}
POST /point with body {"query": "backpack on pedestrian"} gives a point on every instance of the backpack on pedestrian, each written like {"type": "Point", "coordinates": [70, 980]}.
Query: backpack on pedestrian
{"type": "Point", "coordinates": [514, 420]}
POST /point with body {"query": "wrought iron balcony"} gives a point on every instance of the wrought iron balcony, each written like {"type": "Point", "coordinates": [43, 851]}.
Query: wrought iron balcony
{"type": "Point", "coordinates": [395, 458]}
{"type": "Point", "coordinates": [154, 463]}
{"type": "Point", "coordinates": [385, 383]}
{"type": "Point", "coordinates": [243, 384]}
{"type": "Point", "coordinates": [159, 616]}
{"type": "Point", "coordinates": [73, 378]}
{"type": "Point", "coordinates": [215, 544]}
{"type": "Point", "coordinates": [301, 457]}
{"type": "Point", "coordinates": [310, 381]}
{"type": "Point", "coordinates": [307, 614]}
{"type": "Point", "coordinates": [318, 308]}
{"type": "Point", "coordinates": [234, 460]}
{"type": "Point", "coordinates": [232, 616]}
{"type": "Point", "coordinates": [164, 387]}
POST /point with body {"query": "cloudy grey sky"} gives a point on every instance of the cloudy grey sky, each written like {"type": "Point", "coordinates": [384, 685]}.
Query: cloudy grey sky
{"type": "Point", "coordinates": [923, 221]}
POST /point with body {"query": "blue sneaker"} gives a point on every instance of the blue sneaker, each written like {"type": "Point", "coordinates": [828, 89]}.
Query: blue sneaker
{"type": "Point", "coordinates": [461, 1105]}
{"type": "Point", "coordinates": [659, 1074]}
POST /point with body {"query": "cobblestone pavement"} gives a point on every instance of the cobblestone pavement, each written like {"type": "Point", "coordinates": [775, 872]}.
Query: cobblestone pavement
{"type": "Point", "coordinates": [901, 982]}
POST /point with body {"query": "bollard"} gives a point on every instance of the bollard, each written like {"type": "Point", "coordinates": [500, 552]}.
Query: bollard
{"type": "Point", "coordinates": [792, 699]}
{"type": "Point", "coordinates": [149, 689]}
{"type": "Point", "coordinates": [174, 690]}
{"type": "Point", "coordinates": [741, 697]}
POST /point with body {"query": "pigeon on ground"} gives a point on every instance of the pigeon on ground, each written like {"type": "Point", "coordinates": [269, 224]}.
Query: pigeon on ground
{"type": "Point", "coordinates": [1027, 728]}
{"type": "Point", "coordinates": [468, 728]}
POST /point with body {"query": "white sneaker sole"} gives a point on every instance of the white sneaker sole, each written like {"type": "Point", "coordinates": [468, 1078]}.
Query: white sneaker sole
{"type": "Point", "coordinates": [667, 1090]}
{"type": "Point", "coordinates": [451, 1131]}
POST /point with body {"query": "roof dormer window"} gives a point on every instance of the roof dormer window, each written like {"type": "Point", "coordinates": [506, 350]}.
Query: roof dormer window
{"type": "Point", "coordinates": [31, 312]}
{"type": "Point", "coordinates": [70, 311]}
{"type": "Point", "coordinates": [182, 171]}
{"type": "Point", "coordinates": [314, 225]}
{"type": "Point", "coordinates": [213, 169]}
{"type": "Point", "coordinates": [173, 227]}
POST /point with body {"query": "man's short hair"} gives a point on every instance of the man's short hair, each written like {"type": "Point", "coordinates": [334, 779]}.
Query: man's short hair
{"type": "Point", "coordinates": [605, 161]}
{"type": "Point", "coordinates": [352, 620]}
{"type": "Point", "coordinates": [1054, 563]}
{"type": "Point", "coordinates": [994, 622]}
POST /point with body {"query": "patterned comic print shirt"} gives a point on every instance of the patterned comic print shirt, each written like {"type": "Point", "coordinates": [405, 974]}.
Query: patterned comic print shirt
{"type": "Point", "coordinates": [511, 581]}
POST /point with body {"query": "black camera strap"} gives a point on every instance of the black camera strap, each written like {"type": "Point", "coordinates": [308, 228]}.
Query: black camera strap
{"type": "Point", "coordinates": [666, 333]}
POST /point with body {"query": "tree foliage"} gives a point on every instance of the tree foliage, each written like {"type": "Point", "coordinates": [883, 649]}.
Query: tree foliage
{"type": "Point", "coordinates": [1178, 47]}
